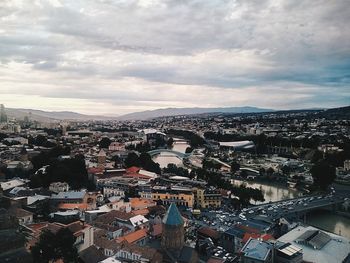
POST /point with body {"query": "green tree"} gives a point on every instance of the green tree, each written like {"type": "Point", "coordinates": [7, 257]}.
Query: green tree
{"type": "Point", "coordinates": [40, 140]}
{"type": "Point", "coordinates": [104, 142]}
{"type": "Point", "coordinates": [270, 171]}
{"type": "Point", "coordinates": [188, 150]}
{"type": "Point", "coordinates": [73, 171]}
{"type": "Point", "coordinates": [132, 160]}
{"type": "Point", "coordinates": [170, 142]}
{"type": "Point", "coordinates": [2, 136]}
{"type": "Point", "coordinates": [209, 164]}
{"type": "Point", "coordinates": [235, 167]}
{"type": "Point", "coordinates": [173, 169]}
{"type": "Point", "coordinates": [52, 247]}
{"type": "Point", "coordinates": [323, 174]}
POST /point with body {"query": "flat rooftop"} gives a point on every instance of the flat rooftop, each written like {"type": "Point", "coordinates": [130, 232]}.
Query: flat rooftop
{"type": "Point", "coordinates": [335, 250]}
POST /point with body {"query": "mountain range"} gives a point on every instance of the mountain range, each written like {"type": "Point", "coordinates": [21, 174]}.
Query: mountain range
{"type": "Point", "coordinates": [47, 116]}
{"type": "Point", "coordinates": [189, 111]}
{"type": "Point", "coordinates": [50, 116]}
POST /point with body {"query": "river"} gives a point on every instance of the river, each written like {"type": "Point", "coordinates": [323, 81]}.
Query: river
{"type": "Point", "coordinates": [330, 222]}
{"type": "Point", "coordinates": [322, 219]}
{"type": "Point", "coordinates": [166, 158]}
{"type": "Point", "coordinates": [271, 192]}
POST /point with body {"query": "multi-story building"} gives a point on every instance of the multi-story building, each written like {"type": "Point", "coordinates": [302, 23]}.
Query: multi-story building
{"type": "Point", "coordinates": [287, 253]}
{"type": "Point", "coordinates": [116, 146]}
{"type": "Point", "coordinates": [57, 187]}
{"type": "Point", "coordinates": [135, 253]}
{"type": "Point", "coordinates": [111, 191]}
{"type": "Point", "coordinates": [257, 251]}
{"type": "Point", "coordinates": [207, 198]}
{"type": "Point", "coordinates": [347, 165]}
{"type": "Point", "coordinates": [83, 233]}
{"type": "Point", "coordinates": [181, 196]}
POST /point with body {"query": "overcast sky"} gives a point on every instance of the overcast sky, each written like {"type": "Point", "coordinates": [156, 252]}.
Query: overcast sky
{"type": "Point", "coordinates": [114, 57]}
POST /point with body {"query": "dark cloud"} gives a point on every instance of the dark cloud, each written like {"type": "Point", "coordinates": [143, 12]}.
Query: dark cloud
{"type": "Point", "coordinates": [109, 46]}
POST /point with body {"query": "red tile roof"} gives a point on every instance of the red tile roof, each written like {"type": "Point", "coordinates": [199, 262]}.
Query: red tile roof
{"type": "Point", "coordinates": [69, 206]}
{"type": "Point", "coordinates": [133, 169]}
{"type": "Point", "coordinates": [95, 170]}
{"type": "Point", "coordinates": [209, 232]}
{"type": "Point", "coordinates": [140, 203]}
{"type": "Point", "coordinates": [142, 212]}
{"type": "Point", "coordinates": [264, 237]}
{"type": "Point", "coordinates": [133, 237]}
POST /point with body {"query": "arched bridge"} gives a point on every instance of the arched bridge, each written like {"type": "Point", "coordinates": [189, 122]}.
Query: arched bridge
{"type": "Point", "coordinates": [171, 152]}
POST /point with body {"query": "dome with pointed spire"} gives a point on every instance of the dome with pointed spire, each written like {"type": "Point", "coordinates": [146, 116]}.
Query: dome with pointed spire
{"type": "Point", "coordinates": [173, 233]}
{"type": "Point", "coordinates": [173, 216]}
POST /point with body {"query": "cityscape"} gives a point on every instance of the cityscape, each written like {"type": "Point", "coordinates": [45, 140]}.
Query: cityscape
{"type": "Point", "coordinates": [135, 131]}
{"type": "Point", "coordinates": [215, 187]}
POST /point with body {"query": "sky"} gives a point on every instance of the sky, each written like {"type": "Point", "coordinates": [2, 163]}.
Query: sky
{"type": "Point", "coordinates": [113, 57]}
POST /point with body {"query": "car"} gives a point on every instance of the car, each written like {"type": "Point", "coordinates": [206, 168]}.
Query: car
{"type": "Point", "coordinates": [241, 216]}
{"type": "Point", "coordinates": [251, 212]}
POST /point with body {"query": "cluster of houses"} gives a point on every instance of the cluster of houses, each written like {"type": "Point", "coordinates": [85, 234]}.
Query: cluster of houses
{"type": "Point", "coordinates": [135, 215]}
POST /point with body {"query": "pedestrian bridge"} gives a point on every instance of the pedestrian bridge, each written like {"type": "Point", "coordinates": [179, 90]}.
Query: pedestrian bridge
{"type": "Point", "coordinates": [170, 152]}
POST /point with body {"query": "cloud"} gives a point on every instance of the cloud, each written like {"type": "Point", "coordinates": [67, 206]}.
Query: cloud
{"type": "Point", "coordinates": [133, 55]}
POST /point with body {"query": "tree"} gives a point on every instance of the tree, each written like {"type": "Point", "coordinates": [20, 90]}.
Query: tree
{"type": "Point", "coordinates": [40, 140]}
{"type": "Point", "coordinates": [73, 171]}
{"type": "Point", "coordinates": [132, 160]}
{"type": "Point", "coordinates": [170, 142]}
{"type": "Point", "coordinates": [104, 142]}
{"type": "Point", "coordinates": [286, 170]}
{"type": "Point", "coordinates": [2, 136]}
{"type": "Point", "coordinates": [209, 164]}
{"type": "Point", "coordinates": [144, 160]}
{"type": "Point", "coordinates": [270, 171]}
{"type": "Point", "coordinates": [52, 247]}
{"type": "Point", "coordinates": [173, 169]}
{"type": "Point", "coordinates": [147, 163]}
{"type": "Point", "coordinates": [188, 150]}
{"type": "Point", "coordinates": [235, 167]}
{"type": "Point", "coordinates": [262, 171]}
{"type": "Point", "coordinates": [323, 174]}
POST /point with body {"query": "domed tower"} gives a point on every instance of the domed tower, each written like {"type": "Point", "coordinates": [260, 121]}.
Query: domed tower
{"type": "Point", "coordinates": [173, 229]}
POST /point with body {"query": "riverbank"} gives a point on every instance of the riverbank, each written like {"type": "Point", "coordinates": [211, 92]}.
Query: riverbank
{"type": "Point", "coordinates": [330, 221]}
{"type": "Point", "coordinates": [272, 191]}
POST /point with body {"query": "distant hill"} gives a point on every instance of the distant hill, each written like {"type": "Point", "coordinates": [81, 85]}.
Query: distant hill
{"type": "Point", "coordinates": [336, 113]}
{"type": "Point", "coordinates": [49, 116]}
{"type": "Point", "coordinates": [188, 111]}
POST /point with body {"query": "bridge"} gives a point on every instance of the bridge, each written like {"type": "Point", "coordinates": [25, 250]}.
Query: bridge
{"type": "Point", "coordinates": [170, 152]}
{"type": "Point", "coordinates": [296, 207]}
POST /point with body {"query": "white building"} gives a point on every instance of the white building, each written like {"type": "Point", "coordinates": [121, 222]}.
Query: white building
{"type": "Point", "coordinates": [110, 191]}
{"type": "Point", "coordinates": [57, 187]}
{"type": "Point", "coordinates": [12, 184]}
{"type": "Point", "coordinates": [347, 165]}
{"type": "Point", "coordinates": [116, 146]}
